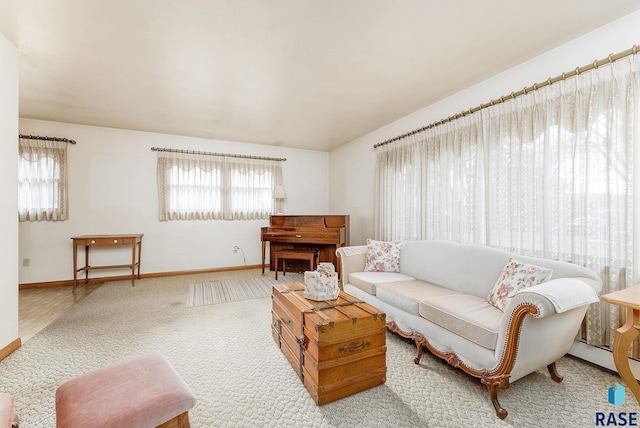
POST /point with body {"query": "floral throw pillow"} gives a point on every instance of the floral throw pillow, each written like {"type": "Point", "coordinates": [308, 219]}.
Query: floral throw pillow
{"type": "Point", "coordinates": [383, 256]}
{"type": "Point", "coordinates": [515, 276]}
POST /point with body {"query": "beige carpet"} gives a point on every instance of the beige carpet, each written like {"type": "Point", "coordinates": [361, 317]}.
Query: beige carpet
{"type": "Point", "coordinates": [225, 353]}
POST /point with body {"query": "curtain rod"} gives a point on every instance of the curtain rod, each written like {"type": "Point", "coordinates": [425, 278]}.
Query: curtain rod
{"type": "Point", "coordinates": [39, 137]}
{"type": "Point", "coordinates": [578, 70]}
{"type": "Point", "coordinates": [192, 152]}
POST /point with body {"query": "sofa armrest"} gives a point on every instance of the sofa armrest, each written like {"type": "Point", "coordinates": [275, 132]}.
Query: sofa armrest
{"type": "Point", "coordinates": [351, 259]}
{"type": "Point", "coordinates": [555, 296]}
{"type": "Point", "coordinates": [538, 333]}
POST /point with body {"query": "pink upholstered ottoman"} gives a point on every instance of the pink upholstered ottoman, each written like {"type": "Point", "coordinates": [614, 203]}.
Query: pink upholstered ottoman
{"type": "Point", "coordinates": [142, 392]}
{"type": "Point", "coordinates": [7, 411]}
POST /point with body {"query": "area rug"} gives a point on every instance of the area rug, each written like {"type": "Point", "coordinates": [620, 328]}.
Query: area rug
{"type": "Point", "coordinates": [224, 291]}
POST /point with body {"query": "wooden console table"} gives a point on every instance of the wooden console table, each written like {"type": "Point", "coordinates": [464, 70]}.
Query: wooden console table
{"type": "Point", "coordinates": [87, 241]}
{"type": "Point", "coordinates": [627, 298]}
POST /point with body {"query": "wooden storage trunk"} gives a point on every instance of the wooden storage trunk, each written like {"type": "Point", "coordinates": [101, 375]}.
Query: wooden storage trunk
{"type": "Point", "coordinates": [337, 347]}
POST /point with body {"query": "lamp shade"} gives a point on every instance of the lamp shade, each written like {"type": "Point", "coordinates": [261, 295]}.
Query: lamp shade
{"type": "Point", "coordinates": [279, 193]}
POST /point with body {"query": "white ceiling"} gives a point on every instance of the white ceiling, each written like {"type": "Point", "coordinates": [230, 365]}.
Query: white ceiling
{"type": "Point", "coordinates": [311, 74]}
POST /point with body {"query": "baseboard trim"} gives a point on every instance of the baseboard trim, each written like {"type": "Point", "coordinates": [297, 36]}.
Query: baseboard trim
{"type": "Point", "coordinates": [601, 357]}
{"type": "Point", "coordinates": [7, 350]}
{"type": "Point", "coordinates": [69, 282]}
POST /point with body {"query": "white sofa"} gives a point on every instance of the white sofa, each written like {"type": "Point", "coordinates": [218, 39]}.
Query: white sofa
{"type": "Point", "coordinates": [439, 299]}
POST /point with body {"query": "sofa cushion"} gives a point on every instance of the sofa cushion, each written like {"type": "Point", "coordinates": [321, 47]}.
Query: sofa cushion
{"type": "Point", "coordinates": [516, 276]}
{"type": "Point", "coordinates": [467, 268]}
{"type": "Point", "coordinates": [368, 281]}
{"type": "Point", "coordinates": [473, 269]}
{"type": "Point", "coordinates": [406, 295]}
{"type": "Point", "coordinates": [469, 316]}
{"type": "Point", "coordinates": [383, 256]}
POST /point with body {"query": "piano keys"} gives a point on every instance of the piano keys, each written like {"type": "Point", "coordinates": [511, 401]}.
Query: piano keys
{"type": "Point", "coordinates": [322, 232]}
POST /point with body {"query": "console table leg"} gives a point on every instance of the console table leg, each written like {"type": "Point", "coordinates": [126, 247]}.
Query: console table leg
{"type": "Point", "coordinates": [133, 264]}
{"type": "Point", "coordinates": [86, 264]}
{"type": "Point", "coordinates": [139, 256]}
{"type": "Point", "coordinates": [75, 268]}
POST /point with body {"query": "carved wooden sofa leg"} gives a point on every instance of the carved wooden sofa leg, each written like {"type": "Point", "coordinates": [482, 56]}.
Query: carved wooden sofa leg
{"type": "Point", "coordinates": [420, 347]}
{"type": "Point", "coordinates": [420, 341]}
{"type": "Point", "coordinates": [493, 385]}
{"type": "Point", "coordinates": [553, 371]}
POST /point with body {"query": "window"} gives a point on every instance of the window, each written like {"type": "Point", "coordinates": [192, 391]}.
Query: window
{"type": "Point", "coordinates": [552, 173]}
{"type": "Point", "coordinates": [206, 187]}
{"type": "Point", "coordinates": [42, 180]}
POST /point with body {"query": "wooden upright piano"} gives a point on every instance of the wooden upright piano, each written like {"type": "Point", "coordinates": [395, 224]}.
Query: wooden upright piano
{"type": "Point", "coordinates": [322, 232]}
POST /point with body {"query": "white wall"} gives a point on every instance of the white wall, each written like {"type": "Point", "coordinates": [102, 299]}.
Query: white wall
{"type": "Point", "coordinates": [8, 192]}
{"type": "Point", "coordinates": [112, 180]}
{"type": "Point", "coordinates": [352, 166]}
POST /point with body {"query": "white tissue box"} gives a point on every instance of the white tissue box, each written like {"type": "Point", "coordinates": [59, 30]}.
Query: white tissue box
{"type": "Point", "coordinates": [320, 287]}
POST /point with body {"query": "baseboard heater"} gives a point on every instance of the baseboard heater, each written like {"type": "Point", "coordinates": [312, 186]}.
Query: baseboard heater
{"type": "Point", "coordinates": [601, 357]}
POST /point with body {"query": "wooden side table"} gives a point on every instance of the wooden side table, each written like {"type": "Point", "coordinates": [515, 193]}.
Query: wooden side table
{"type": "Point", "coordinates": [628, 298]}
{"type": "Point", "coordinates": [88, 241]}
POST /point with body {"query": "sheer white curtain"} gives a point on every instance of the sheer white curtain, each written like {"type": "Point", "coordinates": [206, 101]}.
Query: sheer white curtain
{"type": "Point", "coordinates": [42, 180]}
{"type": "Point", "coordinates": [205, 187]}
{"type": "Point", "coordinates": [189, 186]}
{"type": "Point", "coordinates": [399, 191]}
{"type": "Point", "coordinates": [551, 173]}
{"type": "Point", "coordinates": [430, 185]}
{"type": "Point", "coordinates": [250, 187]}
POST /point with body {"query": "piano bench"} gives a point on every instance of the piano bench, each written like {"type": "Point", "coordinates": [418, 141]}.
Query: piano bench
{"type": "Point", "coordinates": [295, 254]}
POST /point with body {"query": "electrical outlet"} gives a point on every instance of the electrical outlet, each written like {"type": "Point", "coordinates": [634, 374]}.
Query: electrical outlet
{"type": "Point", "coordinates": [26, 262]}
{"type": "Point", "coordinates": [236, 249]}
